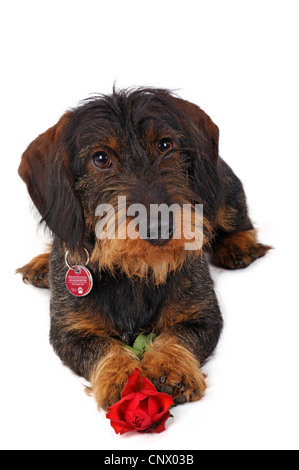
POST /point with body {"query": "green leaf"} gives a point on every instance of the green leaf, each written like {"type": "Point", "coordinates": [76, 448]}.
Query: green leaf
{"type": "Point", "coordinates": [133, 350]}
{"type": "Point", "coordinates": [141, 343]}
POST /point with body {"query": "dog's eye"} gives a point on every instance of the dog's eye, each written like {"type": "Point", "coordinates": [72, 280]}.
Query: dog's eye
{"type": "Point", "coordinates": [102, 160]}
{"type": "Point", "coordinates": [165, 145]}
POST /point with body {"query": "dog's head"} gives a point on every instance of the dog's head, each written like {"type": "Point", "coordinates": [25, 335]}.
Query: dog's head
{"type": "Point", "coordinates": [132, 149]}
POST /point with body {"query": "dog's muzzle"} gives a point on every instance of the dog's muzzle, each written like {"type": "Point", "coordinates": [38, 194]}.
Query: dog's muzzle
{"type": "Point", "coordinates": [161, 232]}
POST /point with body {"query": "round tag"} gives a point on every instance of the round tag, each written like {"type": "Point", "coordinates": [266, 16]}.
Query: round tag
{"type": "Point", "coordinates": [79, 281]}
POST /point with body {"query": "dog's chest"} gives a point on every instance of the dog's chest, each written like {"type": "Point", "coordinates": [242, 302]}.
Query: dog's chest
{"type": "Point", "coordinates": [132, 307]}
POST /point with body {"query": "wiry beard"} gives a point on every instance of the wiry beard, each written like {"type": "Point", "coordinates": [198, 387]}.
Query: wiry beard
{"type": "Point", "coordinates": [123, 251]}
{"type": "Point", "coordinates": [135, 257]}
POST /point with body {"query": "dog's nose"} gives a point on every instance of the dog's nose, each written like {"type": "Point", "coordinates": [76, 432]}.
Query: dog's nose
{"type": "Point", "coordinates": [160, 232]}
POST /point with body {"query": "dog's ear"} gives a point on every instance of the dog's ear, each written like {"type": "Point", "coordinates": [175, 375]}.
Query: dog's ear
{"type": "Point", "coordinates": [204, 135]}
{"type": "Point", "coordinates": [202, 125]}
{"type": "Point", "coordinates": [45, 168]}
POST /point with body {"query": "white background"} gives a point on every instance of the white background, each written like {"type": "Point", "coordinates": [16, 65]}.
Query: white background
{"type": "Point", "coordinates": [238, 60]}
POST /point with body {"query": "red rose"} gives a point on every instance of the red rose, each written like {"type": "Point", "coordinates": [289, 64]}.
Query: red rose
{"type": "Point", "coordinates": [141, 408]}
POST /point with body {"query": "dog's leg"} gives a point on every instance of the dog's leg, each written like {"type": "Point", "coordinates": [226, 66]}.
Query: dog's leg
{"type": "Point", "coordinates": [188, 332]}
{"type": "Point", "coordinates": [84, 337]}
{"type": "Point", "coordinates": [236, 245]}
{"type": "Point", "coordinates": [110, 374]}
{"type": "Point", "coordinates": [173, 369]}
{"type": "Point", "coordinates": [37, 271]}
{"type": "Point", "coordinates": [238, 250]}
{"type": "Point", "coordinates": [82, 340]}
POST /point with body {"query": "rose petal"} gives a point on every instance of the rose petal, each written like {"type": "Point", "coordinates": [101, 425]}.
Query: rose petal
{"type": "Point", "coordinates": [147, 387]}
{"type": "Point", "coordinates": [165, 410]}
{"type": "Point", "coordinates": [131, 402]}
{"type": "Point", "coordinates": [165, 401]}
{"type": "Point", "coordinates": [132, 384]}
{"type": "Point", "coordinates": [117, 417]}
{"type": "Point", "coordinates": [153, 406]}
{"type": "Point", "coordinates": [141, 408]}
{"type": "Point", "coordinates": [156, 419]}
{"type": "Point", "coordinates": [143, 404]}
{"type": "Point", "coordinates": [134, 401]}
{"type": "Point", "coordinates": [117, 410]}
{"type": "Point", "coordinates": [159, 426]}
{"type": "Point", "coordinates": [138, 420]}
{"type": "Point", "coordinates": [114, 413]}
{"type": "Point", "coordinates": [120, 427]}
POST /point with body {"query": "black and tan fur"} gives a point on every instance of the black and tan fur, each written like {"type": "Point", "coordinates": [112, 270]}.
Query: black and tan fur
{"type": "Point", "coordinates": [139, 287]}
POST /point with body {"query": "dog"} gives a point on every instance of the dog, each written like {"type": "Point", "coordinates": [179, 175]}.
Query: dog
{"type": "Point", "coordinates": [150, 147]}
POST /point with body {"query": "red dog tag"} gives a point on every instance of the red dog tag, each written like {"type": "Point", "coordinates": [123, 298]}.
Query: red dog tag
{"type": "Point", "coordinates": [79, 281]}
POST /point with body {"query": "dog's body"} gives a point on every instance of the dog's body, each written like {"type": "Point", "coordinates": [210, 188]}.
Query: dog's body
{"type": "Point", "coordinates": [153, 148]}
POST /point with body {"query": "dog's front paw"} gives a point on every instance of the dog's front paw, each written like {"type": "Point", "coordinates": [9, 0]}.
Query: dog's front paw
{"type": "Point", "coordinates": [174, 370]}
{"type": "Point", "coordinates": [111, 374]}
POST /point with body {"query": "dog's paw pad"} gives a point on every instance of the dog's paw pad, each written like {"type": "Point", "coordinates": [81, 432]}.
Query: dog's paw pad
{"type": "Point", "coordinates": [180, 400]}
{"type": "Point", "coordinates": [181, 392]}
{"type": "Point", "coordinates": [175, 371]}
{"type": "Point", "coordinates": [167, 389]}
